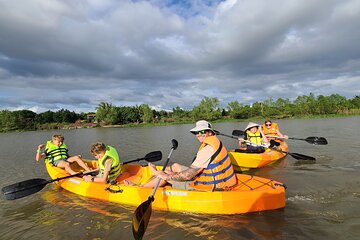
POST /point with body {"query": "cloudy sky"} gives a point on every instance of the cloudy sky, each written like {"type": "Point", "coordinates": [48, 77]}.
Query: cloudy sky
{"type": "Point", "coordinates": [76, 54]}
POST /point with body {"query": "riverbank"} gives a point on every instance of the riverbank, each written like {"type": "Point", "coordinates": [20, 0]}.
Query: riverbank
{"type": "Point", "coordinates": [167, 122]}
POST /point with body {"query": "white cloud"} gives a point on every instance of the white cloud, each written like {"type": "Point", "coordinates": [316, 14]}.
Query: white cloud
{"type": "Point", "coordinates": [74, 55]}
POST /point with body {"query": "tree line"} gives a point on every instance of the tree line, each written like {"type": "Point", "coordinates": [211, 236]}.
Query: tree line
{"type": "Point", "coordinates": [208, 108]}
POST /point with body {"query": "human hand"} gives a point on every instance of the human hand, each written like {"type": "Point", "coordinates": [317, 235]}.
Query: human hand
{"type": "Point", "coordinates": [87, 178]}
{"type": "Point", "coordinates": [41, 146]}
{"type": "Point", "coordinates": [153, 169]}
{"type": "Point", "coordinates": [162, 175]}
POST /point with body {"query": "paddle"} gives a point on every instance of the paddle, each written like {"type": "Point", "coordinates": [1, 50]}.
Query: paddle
{"type": "Point", "coordinates": [297, 156]}
{"type": "Point", "coordinates": [142, 213]}
{"type": "Point", "coordinates": [28, 187]}
{"type": "Point", "coordinates": [312, 140]}
{"type": "Point", "coordinates": [230, 136]}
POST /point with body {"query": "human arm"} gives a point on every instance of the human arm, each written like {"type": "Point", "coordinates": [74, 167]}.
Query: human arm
{"type": "Point", "coordinates": [282, 135]}
{"type": "Point", "coordinates": [263, 136]}
{"type": "Point", "coordinates": [39, 154]}
{"type": "Point", "coordinates": [104, 177]}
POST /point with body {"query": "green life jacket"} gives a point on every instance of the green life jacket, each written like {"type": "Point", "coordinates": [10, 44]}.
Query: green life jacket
{"type": "Point", "coordinates": [54, 153]}
{"type": "Point", "coordinates": [115, 165]}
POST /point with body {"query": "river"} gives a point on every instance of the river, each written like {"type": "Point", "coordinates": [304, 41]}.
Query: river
{"type": "Point", "coordinates": [322, 197]}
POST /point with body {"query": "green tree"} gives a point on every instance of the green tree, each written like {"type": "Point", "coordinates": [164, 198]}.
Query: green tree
{"type": "Point", "coordinates": [106, 113]}
{"type": "Point", "coordinates": [207, 109]}
{"type": "Point", "coordinates": [45, 117]}
{"type": "Point", "coordinates": [146, 113]}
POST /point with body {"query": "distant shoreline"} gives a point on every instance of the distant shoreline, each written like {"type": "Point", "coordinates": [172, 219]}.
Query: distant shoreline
{"type": "Point", "coordinates": [129, 125]}
{"type": "Point", "coordinates": [70, 126]}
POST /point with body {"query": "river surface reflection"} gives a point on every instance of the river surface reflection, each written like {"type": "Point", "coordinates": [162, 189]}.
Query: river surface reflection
{"type": "Point", "coordinates": [322, 198]}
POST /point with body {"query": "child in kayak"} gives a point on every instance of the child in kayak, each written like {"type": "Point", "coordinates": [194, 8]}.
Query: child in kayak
{"type": "Point", "coordinates": [56, 153]}
{"type": "Point", "coordinates": [254, 139]}
{"type": "Point", "coordinates": [108, 163]}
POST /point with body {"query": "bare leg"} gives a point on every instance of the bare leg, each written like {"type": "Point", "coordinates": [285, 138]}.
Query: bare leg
{"type": "Point", "coordinates": [66, 166]}
{"type": "Point", "coordinates": [79, 161]}
{"type": "Point", "coordinates": [153, 182]}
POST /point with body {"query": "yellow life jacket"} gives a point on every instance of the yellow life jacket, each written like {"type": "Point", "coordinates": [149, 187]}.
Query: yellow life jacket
{"type": "Point", "coordinates": [54, 153]}
{"type": "Point", "coordinates": [254, 137]}
{"type": "Point", "coordinates": [219, 174]}
{"type": "Point", "coordinates": [272, 131]}
{"type": "Point", "coordinates": [115, 165]}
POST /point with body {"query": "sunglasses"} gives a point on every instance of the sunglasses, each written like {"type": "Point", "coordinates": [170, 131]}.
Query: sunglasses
{"type": "Point", "coordinates": [197, 132]}
{"type": "Point", "coordinates": [268, 124]}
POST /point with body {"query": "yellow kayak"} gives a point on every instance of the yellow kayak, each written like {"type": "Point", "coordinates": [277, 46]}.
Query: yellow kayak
{"type": "Point", "coordinates": [245, 161]}
{"type": "Point", "coordinates": [251, 194]}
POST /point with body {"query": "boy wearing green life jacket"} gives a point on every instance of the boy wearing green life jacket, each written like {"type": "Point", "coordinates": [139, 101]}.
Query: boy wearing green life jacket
{"type": "Point", "coordinates": [108, 163]}
{"type": "Point", "coordinates": [56, 153]}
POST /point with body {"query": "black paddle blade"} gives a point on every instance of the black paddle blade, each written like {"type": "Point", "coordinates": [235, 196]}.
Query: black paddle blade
{"type": "Point", "coordinates": [141, 219]}
{"type": "Point", "coordinates": [317, 140]}
{"type": "Point", "coordinates": [299, 156]}
{"type": "Point", "coordinates": [238, 133]}
{"type": "Point", "coordinates": [174, 144]}
{"type": "Point", "coordinates": [24, 188]}
{"type": "Point", "coordinates": [153, 156]}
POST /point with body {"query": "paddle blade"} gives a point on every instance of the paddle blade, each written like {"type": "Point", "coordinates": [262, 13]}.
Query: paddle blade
{"type": "Point", "coordinates": [317, 140]}
{"type": "Point", "coordinates": [141, 219]}
{"type": "Point", "coordinates": [174, 144]}
{"type": "Point", "coordinates": [24, 188]}
{"type": "Point", "coordinates": [299, 156]}
{"type": "Point", "coordinates": [153, 156]}
{"type": "Point", "coordinates": [238, 133]}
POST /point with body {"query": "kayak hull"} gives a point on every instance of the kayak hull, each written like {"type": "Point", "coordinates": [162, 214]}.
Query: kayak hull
{"type": "Point", "coordinates": [246, 161]}
{"type": "Point", "coordinates": [251, 194]}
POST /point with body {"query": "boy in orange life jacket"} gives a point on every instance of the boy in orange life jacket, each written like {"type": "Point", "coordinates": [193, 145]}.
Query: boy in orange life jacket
{"type": "Point", "coordinates": [271, 131]}
{"type": "Point", "coordinates": [211, 169]}
{"type": "Point", "coordinates": [56, 152]}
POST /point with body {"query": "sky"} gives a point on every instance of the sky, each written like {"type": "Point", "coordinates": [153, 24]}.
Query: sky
{"type": "Point", "coordinates": [74, 55]}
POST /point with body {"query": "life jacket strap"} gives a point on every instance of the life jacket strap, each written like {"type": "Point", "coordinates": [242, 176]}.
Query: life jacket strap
{"type": "Point", "coordinates": [217, 173]}
{"type": "Point", "coordinates": [215, 181]}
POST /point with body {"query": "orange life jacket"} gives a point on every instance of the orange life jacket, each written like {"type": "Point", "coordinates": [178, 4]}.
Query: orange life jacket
{"type": "Point", "coordinates": [219, 174]}
{"type": "Point", "coordinates": [272, 131]}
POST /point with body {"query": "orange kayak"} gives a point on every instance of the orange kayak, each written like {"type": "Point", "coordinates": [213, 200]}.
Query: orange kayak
{"type": "Point", "coordinates": [245, 161]}
{"type": "Point", "coordinates": [251, 194]}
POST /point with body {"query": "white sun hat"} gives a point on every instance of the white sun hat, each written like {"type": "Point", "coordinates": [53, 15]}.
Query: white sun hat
{"type": "Point", "coordinates": [201, 125]}
{"type": "Point", "coordinates": [250, 125]}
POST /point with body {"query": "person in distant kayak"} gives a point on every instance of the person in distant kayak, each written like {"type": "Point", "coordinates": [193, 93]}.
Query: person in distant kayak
{"type": "Point", "coordinates": [272, 133]}
{"type": "Point", "coordinates": [108, 163]}
{"type": "Point", "coordinates": [254, 139]}
{"type": "Point", "coordinates": [56, 152]}
{"type": "Point", "coordinates": [211, 169]}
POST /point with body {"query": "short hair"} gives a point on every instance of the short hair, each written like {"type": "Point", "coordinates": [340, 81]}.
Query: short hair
{"type": "Point", "coordinates": [97, 148]}
{"type": "Point", "coordinates": [58, 137]}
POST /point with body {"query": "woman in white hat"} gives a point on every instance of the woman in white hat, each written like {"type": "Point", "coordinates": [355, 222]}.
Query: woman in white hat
{"type": "Point", "coordinates": [211, 169]}
{"type": "Point", "coordinates": [254, 139]}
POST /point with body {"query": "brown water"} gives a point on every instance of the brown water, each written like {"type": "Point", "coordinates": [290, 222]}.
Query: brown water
{"type": "Point", "coordinates": [322, 198]}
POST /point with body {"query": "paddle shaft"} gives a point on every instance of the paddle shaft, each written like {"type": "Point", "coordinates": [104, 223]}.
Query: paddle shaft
{"type": "Point", "coordinates": [297, 156]}
{"type": "Point", "coordinates": [28, 187]}
{"type": "Point", "coordinates": [88, 173]}
{"type": "Point", "coordinates": [311, 140]}
{"type": "Point", "coordinates": [142, 213]}
{"type": "Point", "coordinates": [158, 181]}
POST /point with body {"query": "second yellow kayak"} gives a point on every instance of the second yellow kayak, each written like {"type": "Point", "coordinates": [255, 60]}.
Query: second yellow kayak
{"type": "Point", "coordinates": [245, 161]}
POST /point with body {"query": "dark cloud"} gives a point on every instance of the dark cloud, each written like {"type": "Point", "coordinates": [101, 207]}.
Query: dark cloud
{"type": "Point", "coordinates": [74, 55]}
